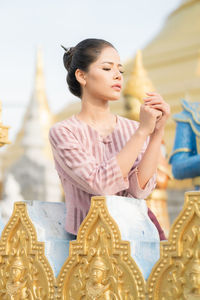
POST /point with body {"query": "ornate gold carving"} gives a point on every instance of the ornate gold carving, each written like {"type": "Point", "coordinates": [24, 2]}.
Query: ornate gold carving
{"type": "Point", "coordinates": [177, 273]}
{"type": "Point", "coordinates": [25, 273]}
{"type": "Point", "coordinates": [3, 131]}
{"type": "Point", "coordinates": [99, 265]}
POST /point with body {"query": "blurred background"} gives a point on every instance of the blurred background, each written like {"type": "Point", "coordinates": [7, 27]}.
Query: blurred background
{"type": "Point", "coordinates": [27, 25]}
{"type": "Point", "coordinates": [33, 89]}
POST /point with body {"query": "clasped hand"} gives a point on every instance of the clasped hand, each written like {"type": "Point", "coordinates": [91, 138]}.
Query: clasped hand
{"type": "Point", "coordinates": [154, 113]}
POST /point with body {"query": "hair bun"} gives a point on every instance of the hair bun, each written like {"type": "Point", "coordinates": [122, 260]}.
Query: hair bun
{"type": "Point", "coordinates": [67, 57]}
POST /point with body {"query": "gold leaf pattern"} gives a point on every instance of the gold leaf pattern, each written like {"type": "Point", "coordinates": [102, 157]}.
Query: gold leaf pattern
{"type": "Point", "coordinates": [24, 270]}
{"type": "Point", "coordinates": [99, 265]}
{"type": "Point", "coordinates": [177, 274]}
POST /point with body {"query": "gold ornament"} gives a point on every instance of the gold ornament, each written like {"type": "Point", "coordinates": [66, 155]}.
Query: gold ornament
{"type": "Point", "coordinates": [3, 131]}
{"type": "Point", "coordinates": [99, 265]}
{"type": "Point", "coordinates": [24, 270]}
{"type": "Point", "coordinates": [177, 273]}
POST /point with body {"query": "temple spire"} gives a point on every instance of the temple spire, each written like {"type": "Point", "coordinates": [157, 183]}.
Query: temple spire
{"type": "Point", "coordinates": [32, 141]}
{"type": "Point", "coordinates": [138, 83]}
{"type": "Point", "coordinates": [30, 160]}
{"type": "Point", "coordinates": [39, 92]}
{"type": "Point", "coordinates": [38, 101]}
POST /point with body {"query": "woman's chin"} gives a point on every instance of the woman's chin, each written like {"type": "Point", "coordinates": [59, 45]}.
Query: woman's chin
{"type": "Point", "coordinates": [110, 97]}
{"type": "Point", "coordinates": [114, 97]}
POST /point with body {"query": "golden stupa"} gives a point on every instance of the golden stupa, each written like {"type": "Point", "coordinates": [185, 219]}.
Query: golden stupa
{"type": "Point", "coordinates": [172, 60]}
{"type": "Point", "coordinates": [16, 150]}
{"type": "Point", "coordinates": [137, 85]}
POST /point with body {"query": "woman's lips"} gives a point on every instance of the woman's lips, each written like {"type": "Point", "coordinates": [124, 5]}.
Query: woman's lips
{"type": "Point", "coordinates": [116, 87]}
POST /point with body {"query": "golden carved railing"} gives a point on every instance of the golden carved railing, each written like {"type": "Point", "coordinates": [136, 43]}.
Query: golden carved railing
{"type": "Point", "coordinates": [99, 265]}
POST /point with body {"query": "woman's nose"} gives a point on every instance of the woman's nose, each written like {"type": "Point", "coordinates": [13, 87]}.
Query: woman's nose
{"type": "Point", "coordinates": [117, 75]}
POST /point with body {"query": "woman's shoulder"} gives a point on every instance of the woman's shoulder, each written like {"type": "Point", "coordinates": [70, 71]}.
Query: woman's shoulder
{"type": "Point", "coordinates": [68, 124]}
{"type": "Point", "coordinates": [67, 130]}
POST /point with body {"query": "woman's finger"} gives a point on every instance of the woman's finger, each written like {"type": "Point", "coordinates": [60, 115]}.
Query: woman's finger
{"type": "Point", "coordinates": [153, 93]}
{"type": "Point", "coordinates": [161, 107]}
{"type": "Point", "coordinates": [153, 101]}
{"type": "Point", "coordinates": [147, 99]}
{"type": "Point", "coordinates": [158, 106]}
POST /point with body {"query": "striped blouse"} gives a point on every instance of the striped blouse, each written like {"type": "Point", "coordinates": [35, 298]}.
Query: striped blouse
{"type": "Point", "coordinates": [87, 166]}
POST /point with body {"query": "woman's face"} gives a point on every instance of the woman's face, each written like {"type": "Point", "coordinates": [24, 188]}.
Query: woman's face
{"type": "Point", "coordinates": [104, 78]}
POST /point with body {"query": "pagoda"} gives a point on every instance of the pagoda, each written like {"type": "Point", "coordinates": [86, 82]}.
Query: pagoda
{"type": "Point", "coordinates": [46, 118]}
{"type": "Point", "coordinates": [172, 60]}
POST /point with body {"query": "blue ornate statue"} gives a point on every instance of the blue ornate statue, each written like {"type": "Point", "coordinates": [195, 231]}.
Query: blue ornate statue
{"type": "Point", "coordinates": [185, 158]}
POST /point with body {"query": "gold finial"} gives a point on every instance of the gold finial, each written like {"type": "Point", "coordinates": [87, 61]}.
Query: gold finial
{"type": "Point", "coordinates": [39, 89]}
{"type": "Point", "coordinates": [138, 83]}
{"type": "Point", "coordinates": [137, 86]}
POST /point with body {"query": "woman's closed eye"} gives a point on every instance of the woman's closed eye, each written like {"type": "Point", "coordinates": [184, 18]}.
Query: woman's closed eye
{"type": "Point", "coordinates": [108, 69]}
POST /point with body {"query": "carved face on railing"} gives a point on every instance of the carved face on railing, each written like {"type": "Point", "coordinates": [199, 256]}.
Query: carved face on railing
{"type": "Point", "coordinates": [17, 271]}
{"type": "Point", "coordinates": [98, 271]}
{"type": "Point", "coordinates": [98, 286]}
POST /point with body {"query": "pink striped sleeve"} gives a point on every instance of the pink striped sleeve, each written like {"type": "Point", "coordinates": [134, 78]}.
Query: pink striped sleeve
{"type": "Point", "coordinates": [134, 187]}
{"type": "Point", "coordinates": [79, 164]}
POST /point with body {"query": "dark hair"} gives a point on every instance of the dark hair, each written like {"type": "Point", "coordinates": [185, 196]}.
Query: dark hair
{"type": "Point", "coordinates": [80, 57]}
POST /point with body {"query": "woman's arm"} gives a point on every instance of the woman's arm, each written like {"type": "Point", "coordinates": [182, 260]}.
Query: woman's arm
{"type": "Point", "coordinates": [128, 155]}
{"type": "Point", "coordinates": [148, 164]}
{"type": "Point", "coordinates": [149, 119]}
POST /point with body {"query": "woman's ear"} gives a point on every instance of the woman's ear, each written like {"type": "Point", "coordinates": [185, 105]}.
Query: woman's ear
{"type": "Point", "coordinates": [80, 77]}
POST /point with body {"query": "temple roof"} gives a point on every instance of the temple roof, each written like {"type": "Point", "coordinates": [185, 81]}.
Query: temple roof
{"type": "Point", "coordinates": [45, 117]}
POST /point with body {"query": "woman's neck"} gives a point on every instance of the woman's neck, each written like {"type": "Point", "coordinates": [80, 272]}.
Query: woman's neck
{"type": "Point", "coordinates": [95, 112]}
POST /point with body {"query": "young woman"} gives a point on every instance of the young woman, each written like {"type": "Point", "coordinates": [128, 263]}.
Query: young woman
{"type": "Point", "coordinates": [95, 151]}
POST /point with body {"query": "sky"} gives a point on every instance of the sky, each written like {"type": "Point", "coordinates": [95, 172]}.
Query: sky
{"type": "Point", "coordinates": [27, 24]}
